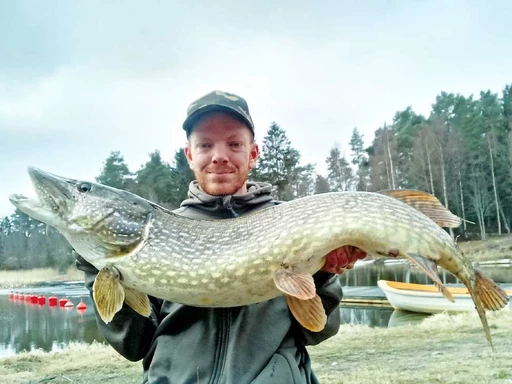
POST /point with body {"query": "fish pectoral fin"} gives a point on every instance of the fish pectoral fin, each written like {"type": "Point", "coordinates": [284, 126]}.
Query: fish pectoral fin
{"type": "Point", "coordinates": [108, 293]}
{"type": "Point", "coordinates": [309, 313]}
{"type": "Point", "coordinates": [427, 204]}
{"type": "Point", "coordinates": [138, 301]}
{"type": "Point", "coordinates": [296, 284]}
{"type": "Point", "coordinates": [430, 268]}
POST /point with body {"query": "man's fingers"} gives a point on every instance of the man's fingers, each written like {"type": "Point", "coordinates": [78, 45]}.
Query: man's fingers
{"type": "Point", "coordinates": [343, 258]}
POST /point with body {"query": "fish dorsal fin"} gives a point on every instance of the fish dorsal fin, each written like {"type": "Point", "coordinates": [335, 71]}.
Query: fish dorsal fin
{"type": "Point", "coordinates": [309, 313]}
{"type": "Point", "coordinates": [427, 204]}
{"type": "Point", "coordinates": [430, 268]}
{"type": "Point", "coordinates": [296, 284]}
{"type": "Point", "coordinates": [108, 293]}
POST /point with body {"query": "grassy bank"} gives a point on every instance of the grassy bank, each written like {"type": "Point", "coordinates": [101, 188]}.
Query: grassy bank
{"type": "Point", "coordinates": [442, 349]}
{"type": "Point", "coordinates": [25, 278]}
{"type": "Point", "coordinates": [495, 248]}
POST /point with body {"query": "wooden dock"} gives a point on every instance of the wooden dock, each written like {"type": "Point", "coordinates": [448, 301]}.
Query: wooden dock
{"type": "Point", "coordinates": [364, 297]}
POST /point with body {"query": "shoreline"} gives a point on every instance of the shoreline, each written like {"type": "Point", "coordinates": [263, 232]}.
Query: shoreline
{"type": "Point", "coordinates": [441, 349]}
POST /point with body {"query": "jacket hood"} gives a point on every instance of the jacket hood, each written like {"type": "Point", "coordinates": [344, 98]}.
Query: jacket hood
{"type": "Point", "coordinates": [257, 194]}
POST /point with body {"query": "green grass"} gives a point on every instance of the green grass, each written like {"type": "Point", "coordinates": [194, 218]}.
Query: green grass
{"type": "Point", "coordinates": [441, 349]}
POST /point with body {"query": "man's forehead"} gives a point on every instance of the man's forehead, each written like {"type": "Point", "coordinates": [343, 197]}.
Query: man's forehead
{"type": "Point", "coordinates": [221, 133]}
{"type": "Point", "coordinates": [219, 124]}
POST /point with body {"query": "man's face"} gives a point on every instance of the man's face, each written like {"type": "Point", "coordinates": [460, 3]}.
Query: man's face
{"type": "Point", "coordinates": [221, 153]}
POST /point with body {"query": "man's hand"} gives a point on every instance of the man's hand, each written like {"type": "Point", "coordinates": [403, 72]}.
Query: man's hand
{"type": "Point", "coordinates": [343, 258]}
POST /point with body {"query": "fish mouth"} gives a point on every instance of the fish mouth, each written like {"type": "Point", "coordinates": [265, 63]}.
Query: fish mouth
{"type": "Point", "coordinates": [53, 195]}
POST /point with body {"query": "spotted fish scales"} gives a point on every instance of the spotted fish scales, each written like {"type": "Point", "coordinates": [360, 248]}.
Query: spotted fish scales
{"type": "Point", "coordinates": [142, 249]}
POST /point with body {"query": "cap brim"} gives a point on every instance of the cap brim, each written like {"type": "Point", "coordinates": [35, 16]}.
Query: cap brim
{"type": "Point", "coordinates": [196, 115]}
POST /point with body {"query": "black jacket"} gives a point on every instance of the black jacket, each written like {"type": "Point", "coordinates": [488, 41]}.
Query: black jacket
{"type": "Point", "coordinates": [260, 343]}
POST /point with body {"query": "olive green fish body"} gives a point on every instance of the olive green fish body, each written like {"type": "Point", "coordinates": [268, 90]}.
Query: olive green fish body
{"type": "Point", "coordinates": [234, 260]}
{"type": "Point", "coordinates": [143, 249]}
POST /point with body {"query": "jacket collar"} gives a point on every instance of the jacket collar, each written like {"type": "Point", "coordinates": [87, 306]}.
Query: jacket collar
{"type": "Point", "coordinates": [257, 193]}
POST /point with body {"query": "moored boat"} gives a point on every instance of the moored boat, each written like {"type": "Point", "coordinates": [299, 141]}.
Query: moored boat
{"type": "Point", "coordinates": [426, 298]}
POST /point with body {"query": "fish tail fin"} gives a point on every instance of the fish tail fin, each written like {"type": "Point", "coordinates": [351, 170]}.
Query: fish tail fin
{"type": "Point", "coordinates": [481, 313]}
{"type": "Point", "coordinates": [487, 296]}
{"type": "Point", "coordinates": [479, 306]}
{"type": "Point", "coordinates": [493, 297]}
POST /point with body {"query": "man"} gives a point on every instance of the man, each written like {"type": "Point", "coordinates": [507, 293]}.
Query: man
{"type": "Point", "coordinates": [260, 343]}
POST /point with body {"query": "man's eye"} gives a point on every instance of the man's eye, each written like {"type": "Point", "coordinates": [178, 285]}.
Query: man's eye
{"type": "Point", "coordinates": [236, 145]}
{"type": "Point", "coordinates": [204, 145]}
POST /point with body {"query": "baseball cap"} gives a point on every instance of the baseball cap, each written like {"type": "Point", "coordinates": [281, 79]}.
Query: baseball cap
{"type": "Point", "coordinates": [218, 101]}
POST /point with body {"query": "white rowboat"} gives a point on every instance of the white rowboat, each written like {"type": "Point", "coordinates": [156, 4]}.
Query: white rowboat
{"type": "Point", "coordinates": [426, 298]}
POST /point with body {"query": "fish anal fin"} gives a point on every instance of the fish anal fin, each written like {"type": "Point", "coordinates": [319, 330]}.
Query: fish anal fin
{"type": "Point", "coordinates": [430, 268]}
{"type": "Point", "coordinates": [138, 301]}
{"type": "Point", "coordinates": [309, 313]}
{"type": "Point", "coordinates": [427, 204]}
{"type": "Point", "coordinates": [296, 284]}
{"type": "Point", "coordinates": [108, 293]}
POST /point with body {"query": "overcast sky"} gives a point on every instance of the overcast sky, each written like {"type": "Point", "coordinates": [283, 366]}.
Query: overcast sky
{"type": "Point", "coordinates": [79, 79]}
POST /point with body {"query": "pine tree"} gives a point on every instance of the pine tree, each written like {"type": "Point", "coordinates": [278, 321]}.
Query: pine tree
{"type": "Point", "coordinates": [340, 175]}
{"type": "Point", "coordinates": [182, 175]}
{"type": "Point", "coordinates": [115, 172]}
{"type": "Point", "coordinates": [278, 162]}
{"type": "Point", "coordinates": [155, 181]}
{"type": "Point", "coordinates": [321, 185]}
{"type": "Point", "coordinates": [360, 160]}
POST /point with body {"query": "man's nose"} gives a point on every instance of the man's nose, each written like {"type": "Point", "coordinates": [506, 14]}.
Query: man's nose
{"type": "Point", "coordinates": [219, 156]}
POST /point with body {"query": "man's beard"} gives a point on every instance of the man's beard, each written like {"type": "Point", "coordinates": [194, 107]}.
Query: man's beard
{"type": "Point", "coordinates": [219, 188]}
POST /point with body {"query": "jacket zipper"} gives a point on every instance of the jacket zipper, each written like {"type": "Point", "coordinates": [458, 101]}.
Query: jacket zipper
{"type": "Point", "coordinates": [222, 346]}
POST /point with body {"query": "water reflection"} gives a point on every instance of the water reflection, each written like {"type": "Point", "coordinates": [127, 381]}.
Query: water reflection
{"type": "Point", "coordinates": [25, 326]}
{"type": "Point", "coordinates": [400, 318]}
{"type": "Point", "coordinates": [371, 316]}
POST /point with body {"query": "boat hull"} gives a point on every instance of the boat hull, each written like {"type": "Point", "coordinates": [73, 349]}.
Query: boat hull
{"type": "Point", "coordinates": [426, 298]}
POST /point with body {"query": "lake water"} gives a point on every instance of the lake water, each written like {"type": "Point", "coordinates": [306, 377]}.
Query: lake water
{"type": "Point", "coordinates": [26, 326]}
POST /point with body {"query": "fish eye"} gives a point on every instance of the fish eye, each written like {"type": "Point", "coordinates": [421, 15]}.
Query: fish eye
{"type": "Point", "coordinates": [84, 187]}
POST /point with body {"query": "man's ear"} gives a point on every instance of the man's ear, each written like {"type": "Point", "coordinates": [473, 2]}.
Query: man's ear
{"type": "Point", "coordinates": [188, 155]}
{"type": "Point", "coordinates": [253, 155]}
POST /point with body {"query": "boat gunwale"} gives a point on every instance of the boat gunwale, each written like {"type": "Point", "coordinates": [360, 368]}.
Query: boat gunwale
{"type": "Point", "coordinates": [412, 289]}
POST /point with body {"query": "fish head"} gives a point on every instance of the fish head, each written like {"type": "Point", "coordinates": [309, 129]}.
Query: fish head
{"type": "Point", "coordinates": [107, 217]}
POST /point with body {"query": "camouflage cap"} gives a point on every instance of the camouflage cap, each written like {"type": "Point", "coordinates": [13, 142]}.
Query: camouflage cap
{"type": "Point", "coordinates": [218, 101]}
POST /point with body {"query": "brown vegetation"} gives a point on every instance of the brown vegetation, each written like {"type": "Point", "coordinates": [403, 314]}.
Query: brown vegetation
{"type": "Point", "coordinates": [442, 349]}
{"type": "Point", "coordinates": [24, 278]}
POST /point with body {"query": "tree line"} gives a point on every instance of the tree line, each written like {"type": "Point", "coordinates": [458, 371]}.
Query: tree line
{"type": "Point", "coordinates": [461, 153]}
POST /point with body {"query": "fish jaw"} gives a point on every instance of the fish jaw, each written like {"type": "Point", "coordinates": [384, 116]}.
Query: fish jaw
{"type": "Point", "coordinates": [97, 220]}
{"type": "Point", "coordinates": [52, 204]}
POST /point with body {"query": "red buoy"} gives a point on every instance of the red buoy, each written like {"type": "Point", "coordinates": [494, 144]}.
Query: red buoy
{"type": "Point", "coordinates": [16, 296]}
{"type": "Point", "coordinates": [41, 300]}
{"type": "Point", "coordinates": [81, 306]}
{"type": "Point", "coordinates": [62, 302]}
{"type": "Point", "coordinates": [69, 304]}
{"type": "Point", "coordinates": [52, 301]}
{"type": "Point", "coordinates": [33, 299]}
{"type": "Point", "coordinates": [11, 296]}
{"type": "Point", "coordinates": [26, 298]}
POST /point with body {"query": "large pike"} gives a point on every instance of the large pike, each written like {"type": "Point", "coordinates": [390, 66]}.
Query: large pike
{"type": "Point", "coordinates": [143, 249]}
